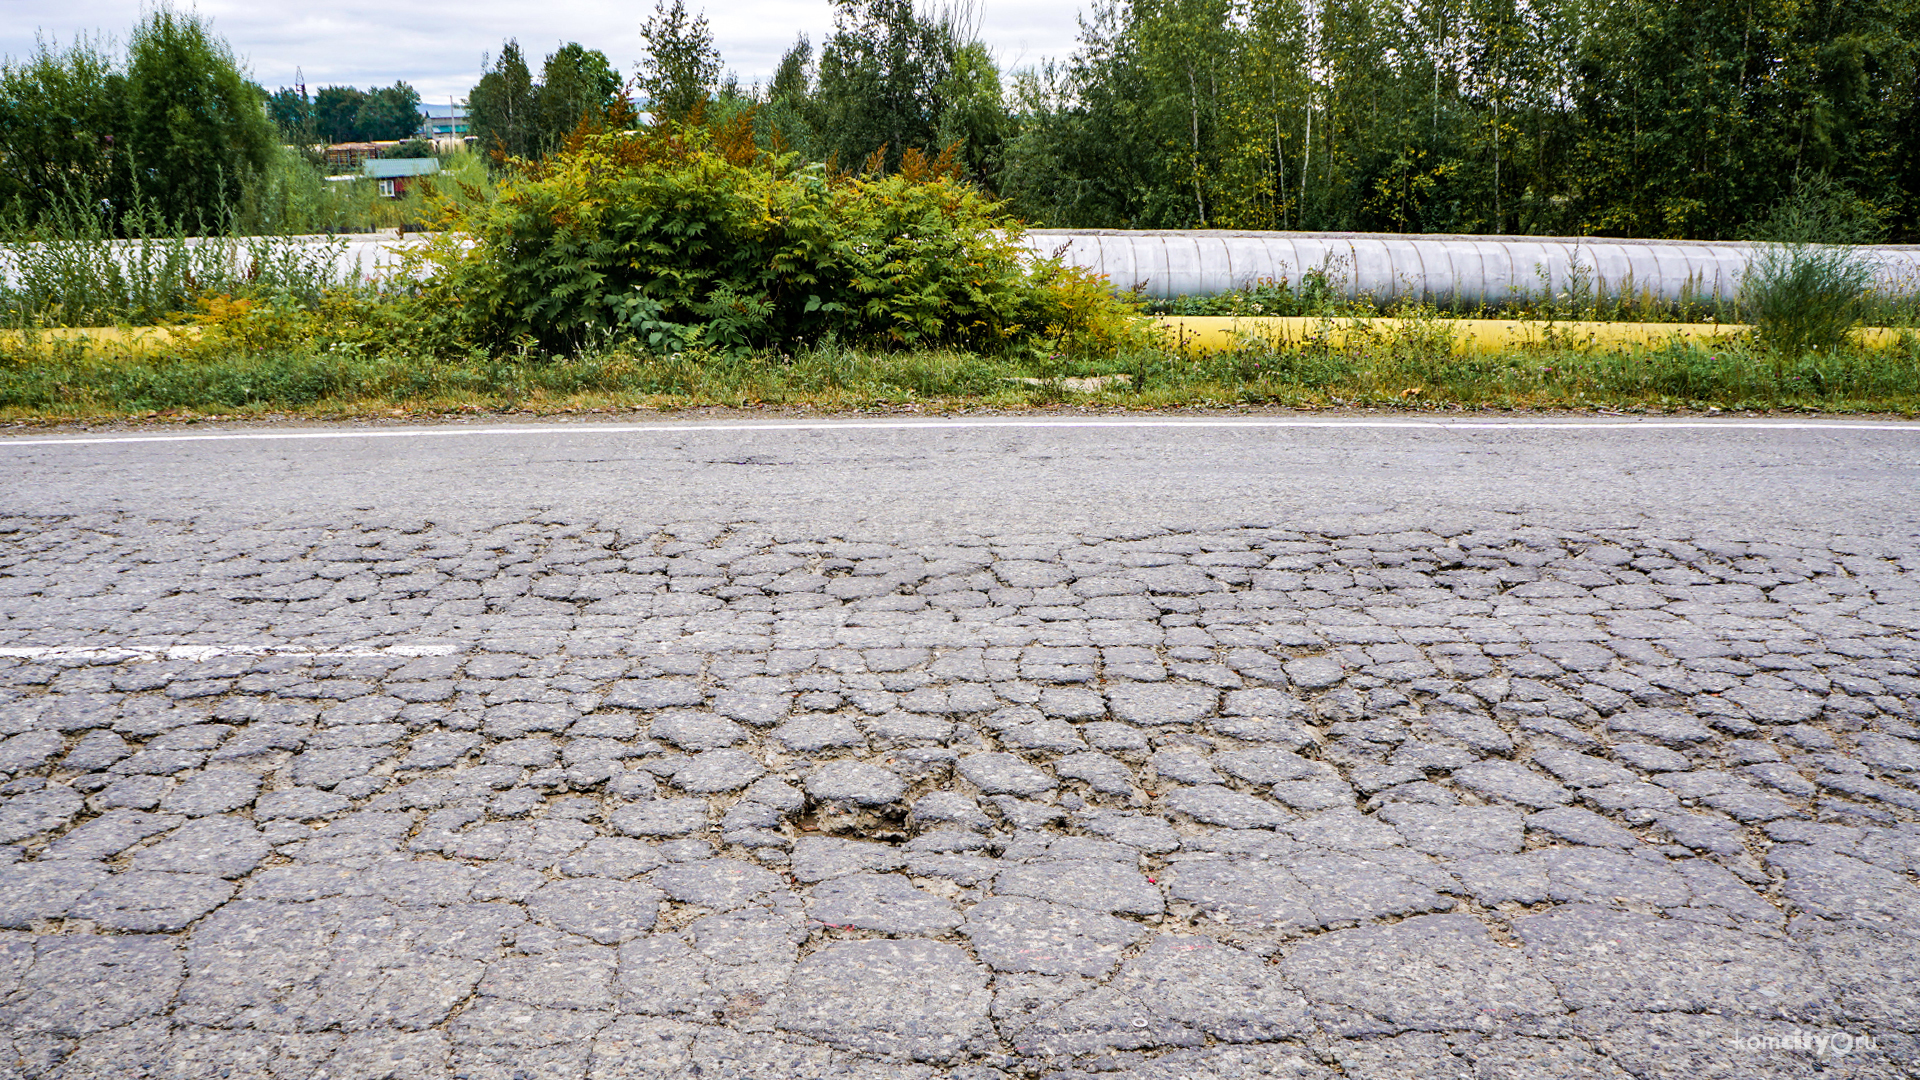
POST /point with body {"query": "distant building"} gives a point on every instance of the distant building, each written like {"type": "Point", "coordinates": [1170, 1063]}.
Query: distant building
{"type": "Point", "coordinates": [395, 174]}
{"type": "Point", "coordinates": [352, 154]}
{"type": "Point", "coordinates": [449, 130]}
{"type": "Point", "coordinates": [444, 127]}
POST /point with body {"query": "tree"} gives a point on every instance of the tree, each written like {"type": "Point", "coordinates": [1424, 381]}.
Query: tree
{"type": "Point", "coordinates": [392, 112]}
{"type": "Point", "coordinates": [503, 111]}
{"type": "Point", "coordinates": [292, 113]}
{"type": "Point", "coordinates": [195, 127]}
{"type": "Point", "coordinates": [574, 83]}
{"type": "Point", "coordinates": [1084, 157]}
{"type": "Point", "coordinates": [412, 148]}
{"type": "Point", "coordinates": [973, 113]}
{"type": "Point", "coordinates": [879, 74]}
{"type": "Point", "coordinates": [792, 80]}
{"type": "Point", "coordinates": [787, 117]}
{"type": "Point", "coordinates": [891, 78]}
{"type": "Point", "coordinates": [62, 129]}
{"type": "Point", "coordinates": [336, 113]}
{"type": "Point", "coordinates": [681, 66]}
{"type": "Point", "coordinates": [1635, 117]}
{"type": "Point", "coordinates": [345, 114]}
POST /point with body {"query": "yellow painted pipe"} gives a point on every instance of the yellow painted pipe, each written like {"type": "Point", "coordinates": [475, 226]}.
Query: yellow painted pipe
{"type": "Point", "coordinates": [1211, 333]}
{"type": "Point", "coordinates": [1208, 333]}
{"type": "Point", "coordinates": [128, 339]}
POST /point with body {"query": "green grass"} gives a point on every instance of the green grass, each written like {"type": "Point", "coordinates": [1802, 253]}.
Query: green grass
{"type": "Point", "coordinates": [64, 383]}
{"type": "Point", "coordinates": [1800, 279]}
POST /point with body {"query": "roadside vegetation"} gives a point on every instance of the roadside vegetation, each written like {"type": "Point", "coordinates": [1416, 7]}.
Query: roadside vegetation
{"type": "Point", "coordinates": [679, 266]}
{"type": "Point", "coordinates": [363, 365]}
{"type": "Point", "coordinates": [700, 258]}
{"type": "Point", "coordinates": [634, 275]}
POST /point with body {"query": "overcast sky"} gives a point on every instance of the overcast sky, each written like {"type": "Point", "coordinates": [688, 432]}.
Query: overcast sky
{"type": "Point", "coordinates": [437, 46]}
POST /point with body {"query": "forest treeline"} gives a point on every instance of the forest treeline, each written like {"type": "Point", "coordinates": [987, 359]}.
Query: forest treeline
{"type": "Point", "coordinates": [170, 125]}
{"type": "Point", "coordinates": [337, 114]}
{"type": "Point", "coordinates": [1639, 118]}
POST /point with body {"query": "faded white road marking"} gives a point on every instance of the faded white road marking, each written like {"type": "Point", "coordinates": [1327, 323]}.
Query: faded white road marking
{"type": "Point", "coordinates": [208, 652]}
{"type": "Point", "coordinates": [451, 431]}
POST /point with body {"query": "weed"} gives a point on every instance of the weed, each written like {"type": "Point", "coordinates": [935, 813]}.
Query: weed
{"type": "Point", "coordinates": [1803, 298]}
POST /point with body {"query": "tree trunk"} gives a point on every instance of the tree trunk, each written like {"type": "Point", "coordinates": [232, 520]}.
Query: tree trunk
{"type": "Point", "coordinates": [1193, 101]}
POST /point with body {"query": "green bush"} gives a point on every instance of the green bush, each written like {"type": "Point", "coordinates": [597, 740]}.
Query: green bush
{"type": "Point", "coordinates": [683, 237]}
{"type": "Point", "coordinates": [171, 125]}
{"type": "Point", "coordinates": [1807, 284]}
{"type": "Point", "coordinates": [1804, 297]}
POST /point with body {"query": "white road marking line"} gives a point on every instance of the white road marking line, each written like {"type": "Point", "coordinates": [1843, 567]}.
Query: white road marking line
{"type": "Point", "coordinates": [451, 431]}
{"type": "Point", "coordinates": [208, 652]}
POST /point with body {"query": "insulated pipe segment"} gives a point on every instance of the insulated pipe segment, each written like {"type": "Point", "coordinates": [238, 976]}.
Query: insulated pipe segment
{"type": "Point", "coordinates": [1461, 271]}
{"type": "Point", "coordinates": [1448, 271]}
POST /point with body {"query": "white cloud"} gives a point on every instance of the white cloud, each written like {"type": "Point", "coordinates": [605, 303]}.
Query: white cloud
{"type": "Point", "coordinates": [437, 47]}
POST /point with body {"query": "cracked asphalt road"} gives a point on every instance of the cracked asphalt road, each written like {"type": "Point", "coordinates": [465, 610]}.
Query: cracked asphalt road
{"type": "Point", "coordinates": [969, 752]}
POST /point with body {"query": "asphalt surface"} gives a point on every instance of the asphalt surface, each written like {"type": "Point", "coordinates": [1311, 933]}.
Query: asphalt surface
{"type": "Point", "coordinates": [998, 476]}
{"type": "Point", "coordinates": [978, 749]}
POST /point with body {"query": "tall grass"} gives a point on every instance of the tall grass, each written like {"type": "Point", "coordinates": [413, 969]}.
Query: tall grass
{"type": "Point", "coordinates": [1419, 367]}
{"type": "Point", "coordinates": [1319, 293]}
{"type": "Point", "coordinates": [83, 264]}
{"type": "Point", "coordinates": [1803, 297]}
{"type": "Point", "coordinates": [1798, 274]}
{"type": "Point", "coordinates": [66, 380]}
{"type": "Point", "coordinates": [75, 268]}
{"type": "Point", "coordinates": [1810, 281]}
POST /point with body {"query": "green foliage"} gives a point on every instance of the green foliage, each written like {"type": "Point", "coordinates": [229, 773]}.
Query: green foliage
{"type": "Point", "coordinates": [349, 354]}
{"type": "Point", "coordinates": [683, 237]}
{"type": "Point", "coordinates": [575, 84]}
{"type": "Point", "coordinates": [195, 128]}
{"type": "Point", "coordinates": [514, 117]}
{"type": "Point", "coordinates": [413, 148]}
{"type": "Point", "coordinates": [891, 80]}
{"type": "Point", "coordinates": [292, 114]}
{"type": "Point", "coordinates": [345, 114]}
{"type": "Point", "coordinates": [1806, 286]}
{"type": "Point", "coordinates": [336, 113]}
{"type": "Point", "coordinates": [1085, 155]}
{"type": "Point", "coordinates": [392, 112]}
{"type": "Point", "coordinates": [1416, 368]}
{"type": "Point", "coordinates": [1819, 211]}
{"type": "Point", "coordinates": [174, 127]}
{"type": "Point", "coordinates": [286, 197]}
{"type": "Point", "coordinates": [1695, 118]}
{"type": "Point", "coordinates": [62, 128]}
{"type": "Point", "coordinates": [503, 109]}
{"type": "Point", "coordinates": [1611, 117]}
{"type": "Point", "coordinates": [1319, 292]}
{"type": "Point", "coordinates": [787, 118]}
{"type": "Point", "coordinates": [973, 113]}
{"type": "Point", "coordinates": [879, 77]}
{"type": "Point", "coordinates": [79, 270]}
{"type": "Point", "coordinates": [793, 79]}
{"type": "Point", "coordinates": [681, 67]}
{"type": "Point", "coordinates": [1805, 297]}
